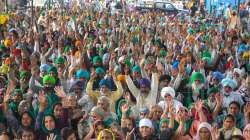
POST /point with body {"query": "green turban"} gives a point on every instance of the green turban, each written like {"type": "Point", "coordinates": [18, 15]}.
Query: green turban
{"type": "Point", "coordinates": [24, 74]}
{"type": "Point", "coordinates": [127, 62]}
{"type": "Point", "coordinates": [17, 92]}
{"type": "Point", "coordinates": [163, 52]}
{"type": "Point", "coordinates": [136, 69]}
{"type": "Point", "coordinates": [207, 57]}
{"type": "Point", "coordinates": [197, 75]}
{"type": "Point", "coordinates": [53, 69]}
{"type": "Point", "coordinates": [47, 79]}
{"type": "Point", "coordinates": [97, 59]}
{"type": "Point", "coordinates": [212, 91]}
{"type": "Point", "coordinates": [60, 60]}
{"type": "Point", "coordinates": [99, 70]}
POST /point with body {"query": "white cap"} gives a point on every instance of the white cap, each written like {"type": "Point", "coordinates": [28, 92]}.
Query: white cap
{"type": "Point", "coordinates": [167, 90]}
{"type": "Point", "coordinates": [146, 122]}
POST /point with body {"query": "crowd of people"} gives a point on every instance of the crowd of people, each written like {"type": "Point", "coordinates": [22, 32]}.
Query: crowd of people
{"type": "Point", "coordinates": [88, 74]}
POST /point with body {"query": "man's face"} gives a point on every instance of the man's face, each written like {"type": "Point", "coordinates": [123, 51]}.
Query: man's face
{"type": "Point", "coordinates": [233, 109]}
{"type": "Point", "coordinates": [104, 90]}
{"type": "Point", "coordinates": [215, 81]}
{"type": "Point", "coordinates": [164, 83]}
{"type": "Point", "coordinates": [17, 98]}
{"type": "Point", "coordinates": [227, 89]}
{"type": "Point", "coordinates": [102, 104]}
{"type": "Point", "coordinates": [129, 124]}
{"type": "Point", "coordinates": [145, 131]}
{"type": "Point", "coordinates": [168, 98]}
{"type": "Point", "coordinates": [228, 124]}
{"type": "Point", "coordinates": [26, 120]}
{"type": "Point", "coordinates": [164, 126]}
{"type": "Point", "coordinates": [144, 89]}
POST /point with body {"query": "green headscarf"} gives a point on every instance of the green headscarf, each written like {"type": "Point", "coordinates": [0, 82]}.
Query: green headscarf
{"type": "Point", "coordinates": [32, 116]}
{"type": "Point", "coordinates": [46, 131]}
{"type": "Point", "coordinates": [119, 111]}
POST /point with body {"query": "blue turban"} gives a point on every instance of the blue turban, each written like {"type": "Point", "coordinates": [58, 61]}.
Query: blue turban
{"type": "Point", "coordinates": [175, 64]}
{"type": "Point", "coordinates": [82, 74]}
{"type": "Point", "coordinates": [44, 67]}
{"type": "Point", "coordinates": [218, 75]}
{"type": "Point", "coordinates": [105, 82]}
{"type": "Point", "coordinates": [144, 82]}
{"type": "Point", "coordinates": [77, 83]}
{"type": "Point", "coordinates": [242, 48]}
{"type": "Point", "coordinates": [229, 82]}
{"type": "Point", "coordinates": [105, 57]}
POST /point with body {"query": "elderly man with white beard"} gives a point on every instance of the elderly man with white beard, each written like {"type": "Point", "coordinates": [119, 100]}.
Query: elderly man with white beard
{"type": "Point", "coordinates": [198, 86]}
{"type": "Point", "coordinates": [229, 94]}
{"type": "Point", "coordinates": [237, 76]}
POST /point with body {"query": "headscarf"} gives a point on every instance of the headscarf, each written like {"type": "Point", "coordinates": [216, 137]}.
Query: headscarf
{"type": "Point", "coordinates": [46, 131]}
{"type": "Point", "coordinates": [32, 116]}
{"type": "Point", "coordinates": [107, 130]}
{"type": "Point", "coordinates": [119, 111]}
{"type": "Point", "coordinates": [244, 131]}
{"type": "Point", "coordinates": [203, 125]}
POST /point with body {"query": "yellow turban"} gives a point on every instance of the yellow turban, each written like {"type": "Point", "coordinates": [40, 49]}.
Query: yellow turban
{"type": "Point", "coordinates": [7, 43]}
{"type": "Point", "coordinates": [3, 19]}
{"type": "Point", "coordinates": [121, 77]}
{"type": "Point", "coordinates": [245, 55]}
{"type": "Point", "coordinates": [77, 43]}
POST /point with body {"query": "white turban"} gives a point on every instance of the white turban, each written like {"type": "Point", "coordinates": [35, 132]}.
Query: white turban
{"type": "Point", "coordinates": [167, 90]}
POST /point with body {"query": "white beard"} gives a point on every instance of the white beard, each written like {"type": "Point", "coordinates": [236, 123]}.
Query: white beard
{"type": "Point", "coordinates": [211, 104]}
{"type": "Point", "coordinates": [196, 90]}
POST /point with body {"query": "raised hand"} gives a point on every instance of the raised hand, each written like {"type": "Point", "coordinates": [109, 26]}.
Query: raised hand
{"type": "Point", "coordinates": [171, 111]}
{"type": "Point", "coordinates": [60, 92]}
{"type": "Point", "coordinates": [42, 99]}
{"type": "Point", "coordinates": [130, 134]}
{"type": "Point", "coordinates": [198, 105]}
{"type": "Point", "coordinates": [215, 133]}
{"type": "Point", "coordinates": [6, 98]}
{"type": "Point", "coordinates": [219, 99]}
{"type": "Point", "coordinates": [51, 137]}
{"type": "Point", "coordinates": [125, 108]}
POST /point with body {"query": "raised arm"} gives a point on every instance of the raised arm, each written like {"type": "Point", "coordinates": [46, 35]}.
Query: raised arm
{"type": "Point", "coordinates": [134, 90]}
{"type": "Point", "coordinates": [154, 86]}
{"type": "Point", "coordinates": [89, 89]}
